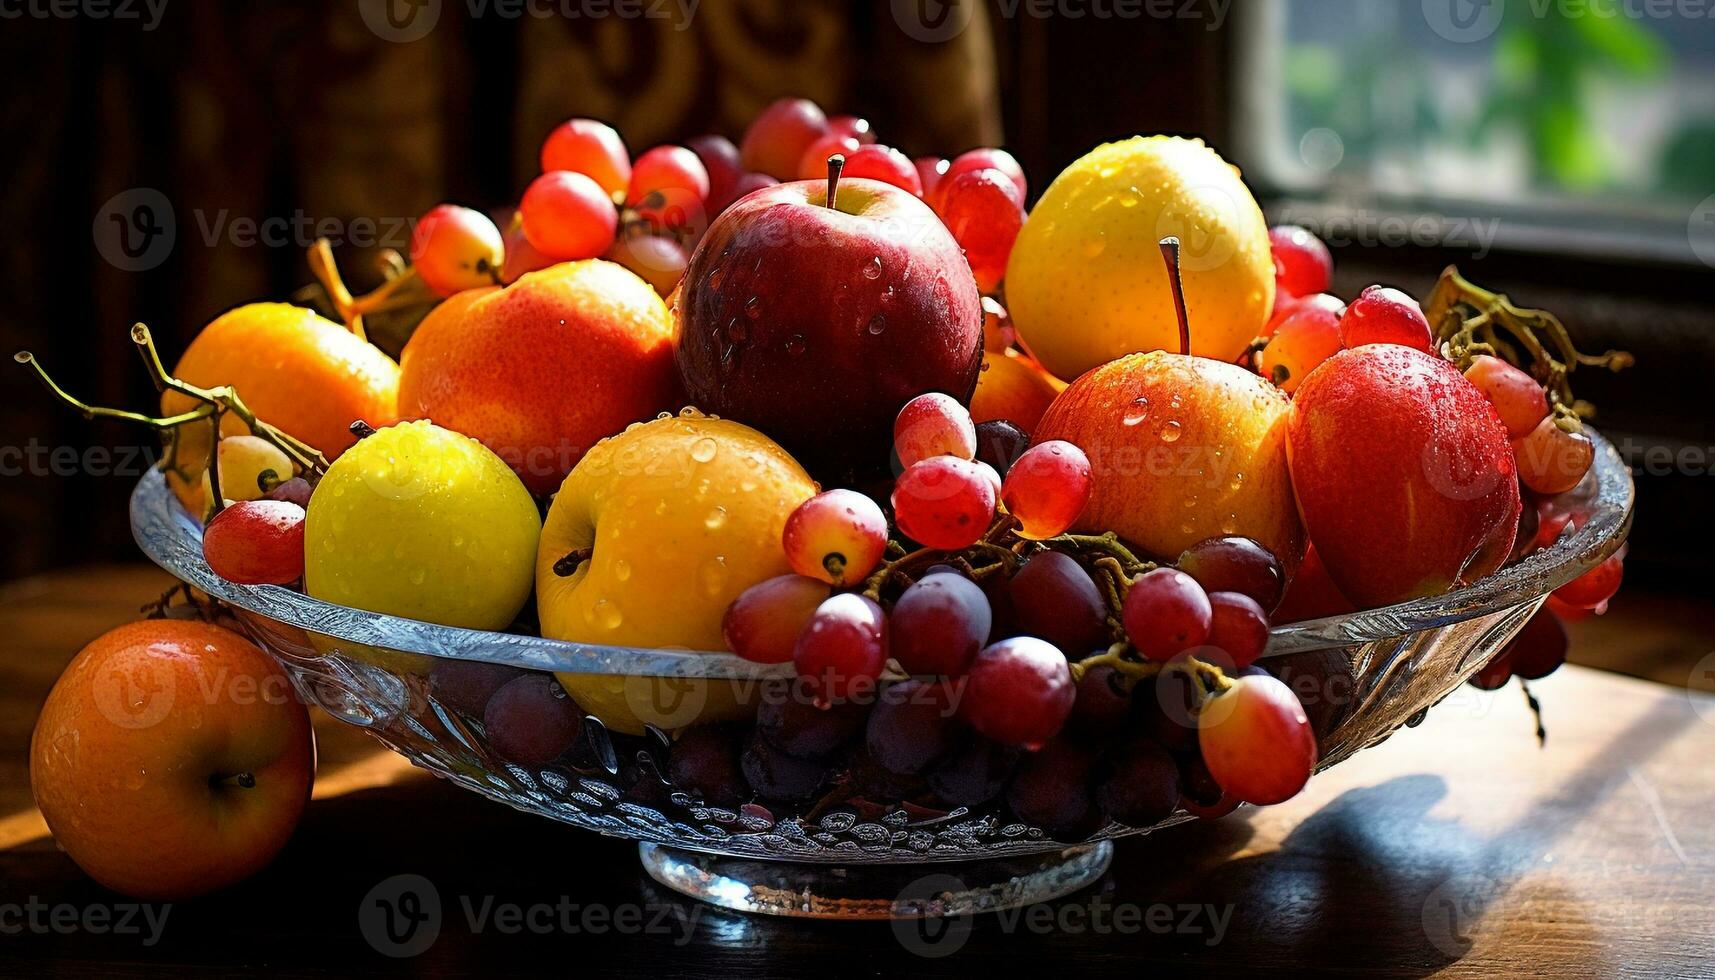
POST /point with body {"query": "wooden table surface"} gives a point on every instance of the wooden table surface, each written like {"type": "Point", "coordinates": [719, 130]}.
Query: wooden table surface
{"type": "Point", "coordinates": [1458, 848]}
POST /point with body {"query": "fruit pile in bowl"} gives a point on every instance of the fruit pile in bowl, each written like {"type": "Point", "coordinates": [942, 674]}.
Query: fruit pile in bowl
{"type": "Point", "coordinates": [801, 500]}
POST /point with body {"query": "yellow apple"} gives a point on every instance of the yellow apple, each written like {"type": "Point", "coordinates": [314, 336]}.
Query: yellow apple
{"type": "Point", "coordinates": [653, 534]}
{"type": "Point", "coordinates": [1086, 284]}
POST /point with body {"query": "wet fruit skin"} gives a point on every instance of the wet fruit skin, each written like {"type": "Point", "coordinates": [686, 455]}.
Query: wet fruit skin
{"type": "Point", "coordinates": [817, 325]}
{"type": "Point", "coordinates": [1085, 282]}
{"type": "Point", "coordinates": [542, 369]}
{"type": "Point", "coordinates": [1403, 474]}
{"type": "Point", "coordinates": [1152, 424]}
{"type": "Point", "coordinates": [1013, 388]}
{"type": "Point", "coordinates": [665, 563]}
{"type": "Point", "coordinates": [140, 785]}
{"type": "Point", "coordinates": [307, 375]}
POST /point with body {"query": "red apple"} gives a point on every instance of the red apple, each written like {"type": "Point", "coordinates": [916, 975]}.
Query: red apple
{"type": "Point", "coordinates": [816, 324]}
{"type": "Point", "coordinates": [1403, 474]}
{"type": "Point", "coordinates": [172, 759]}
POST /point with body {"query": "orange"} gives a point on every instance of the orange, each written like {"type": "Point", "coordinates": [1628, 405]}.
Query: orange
{"type": "Point", "coordinates": [306, 375]}
{"type": "Point", "coordinates": [1013, 387]}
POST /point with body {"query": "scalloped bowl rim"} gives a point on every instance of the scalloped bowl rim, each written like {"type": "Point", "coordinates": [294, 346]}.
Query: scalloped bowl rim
{"type": "Point", "coordinates": [171, 538]}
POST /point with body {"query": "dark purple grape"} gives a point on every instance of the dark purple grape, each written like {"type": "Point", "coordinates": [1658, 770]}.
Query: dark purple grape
{"type": "Point", "coordinates": [872, 782]}
{"type": "Point", "coordinates": [1054, 599]}
{"type": "Point", "coordinates": [1539, 648]}
{"type": "Point", "coordinates": [1164, 707]}
{"type": "Point", "coordinates": [792, 722]}
{"type": "Point", "coordinates": [778, 776]}
{"type": "Point", "coordinates": [943, 569]}
{"type": "Point", "coordinates": [997, 588]}
{"type": "Point", "coordinates": [974, 774]}
{"type": "Point", "coordinates": [530, 720]}
{"type": "Point", "coordinates": [1103, 705]}
{"type": "Point", "coordinates": [1195, 783]}
{"type": "Point", "coordinates": [938, 625]}
{"type": "Point", "coordinates": [466, 685]}
{"type": "Point", "coordinates": [1235, 564]}
{"type": "Point", "coordinates": [1000, 443]}
{"type": "Point", "coordinates": [912, 726]}
{"type": "Point", "coordinates": [296, 490]}
{"type": "Point", "coordinates": [1141, 785]}
{"type": "Point", "coordinates": [703, 763]}
{"type": "Point", "coordinates": [1052, 790]}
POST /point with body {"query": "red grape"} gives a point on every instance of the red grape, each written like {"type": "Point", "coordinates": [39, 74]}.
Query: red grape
{"type": "Point", "coordinates": [1594, 588]}
{"type": "Point", "coordinates": [837, 536]}
{"type": "Point", "coordinates": [1235, 564]}
{"type": "Point", "coordinates": [703, 763]}
{"type": "Point", "coordinates": [1053, 598]}
{"type": "Point", "coordinates": [669, 188]}
{"type": "Point", "coordinates": [843, 648]}
{"type": "Point", "coordinates": [720, 159]}
{"type": "Point", "coordinates": [1286, 304]}
{"type": "Point", "coordinates": [745, 186]}
{"type": "Point", "coordinates": [930, 171]}
{"type": "Point", "coordinates": [938, 625]}
{"type": "Point", "coordinates": [1000, 444]}
{"type": "Point", "coordinates": [1052, 790]}
{"type": "Point", "coordinates": [1141, 784]}
{"type": "Point", "coordinates": [1493, 675]}
{"type": "Point", "coordinates": [657, 260]}
{"type": "Point", "coordinates": [1384, 315]}
{"type": "Point", "coordinates": [297, 490]}
{"type": "Point", "coordinates": [974, 774]}
{"type": "Point", "coordinates": [944, 502]}
{"type": "Point", "coordinates": [1201, 796]}
{"type": "Point", "coordinates": [1550, 459]}
{"type": "Point", "coordinates": [813, 165]}
{"type": "Point", "coordinates": [778, 135]}
{"type": "Point", "coordinates": [1238, 628]}
{"type": "Point", "coordinates": [1018, 692]}
{"type": "Point", "coordinates": [466, 685]}
{"type": "Point", "coordinates": [521, 256]}
{"type": "Point", "coordinates": [883, 163]}
{"type": "Point", "coordinates": [1166, 613]}
{"type": "Point", "coordinates": [568, 216]}
{"type": "Point", "coordinates": [984, 212]}
{"type": "Point", "coordinates": [1308, 336]}
{"type": "Point", "coordinates": [1047, 488]}
{"type": "Point", "coordinates": [1518, 399]}
{"type": "Point", "coordinates": [854, 126]}
{"type": "Point", "coordinates": [1102, 706]}
{"type": "Point", "coordinates": [778, 776]}
{"type": "Point", "coordinates": [1257, 741]}
{"type": "Point", "coordinates": [1539, 648]}
{"type": "Point", "coordinates": [933, 425]}
{"type": "Point", "coordinates": [590, 148]}
{"type": "Point", "coordinates": [1302, 264]}
{"type": "Point", "coordinates": [763, 623]}
{"type": "Point", "coordinates": [792, 722]}
{"type": "Point", "coordinates": [256, 542]}
{"type": "Point", "coordinates": [530, 721]}
{"type": "Point", "coordinates": [1166, 706]}
{"type": "Point", "coordinates": [989, 158]}
{"type": "Point", "coordinates": [454, 248]}
{"type": "Point", "coordinates": [912, 726]}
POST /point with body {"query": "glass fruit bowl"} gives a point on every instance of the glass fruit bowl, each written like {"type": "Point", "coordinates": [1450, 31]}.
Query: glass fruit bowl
{"type": "Point", "coordinates": [1361, 677]}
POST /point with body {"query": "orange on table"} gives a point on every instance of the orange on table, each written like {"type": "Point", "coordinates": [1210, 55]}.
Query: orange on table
{"type": "Point", "coordinates": [302, 373]}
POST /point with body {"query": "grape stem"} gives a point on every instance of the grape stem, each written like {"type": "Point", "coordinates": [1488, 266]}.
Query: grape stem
{"type": "Point", "coordinates": [399, 290]}
{"type": "Point", "coordinates": [1469, 320]}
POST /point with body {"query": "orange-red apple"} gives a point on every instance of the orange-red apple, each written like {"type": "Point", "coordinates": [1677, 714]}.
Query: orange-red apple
{"type": "Point", "coordinates": [1181, 449]}
{"type": "Point", "coordinates": [540, 370]}
{"type": "Point", "coordinates": [1013, 387]}
{"type": "Point", "coordinates": [172, 759]}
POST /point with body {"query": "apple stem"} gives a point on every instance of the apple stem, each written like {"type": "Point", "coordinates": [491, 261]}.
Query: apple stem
{"type": "Point", "coordinates": [1170, 254]}
{"type": "Point", "coordinates": [836, 163]}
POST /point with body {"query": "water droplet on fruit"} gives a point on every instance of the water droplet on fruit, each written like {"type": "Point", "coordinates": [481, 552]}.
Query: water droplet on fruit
{"type": "Point", "coordinates": [795, 344]}
{"type": "Point", "coordinates": [714, 576]}
{"type": "Point", "coordinates": [607, 614]}
{"type": "Point", "coordinates": [877, 324]}
{"type": "Point", "coordinates": [1236, 482]}
{"type": "Point", "coordinates": [715, 276]}
{"type": "Point", "coordinates": [418, 576]}
{"type": "Point", "coordinates": [736, 331]}
{"type": "Point", "coordinates": [1170, 432]}
{"type": "Point", "coordinates": [716, 518]}
{"type": "Point", "coordinates": [704, 449]}
{"type": "Point", "coordinates": [663, 415]}
{"type": "Point", "coordinates": [872, 268]}
{"type": "Point", "coordinates": [621, 570]}
{"type": "Point", "coordinates": [1094, 247]}
{"type": "Point", "coordinates": [1138, 411]}
{"type": "Point", "coordinates": [753, 307]}
{"type": "Point", "coordinates": [687, 412]}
